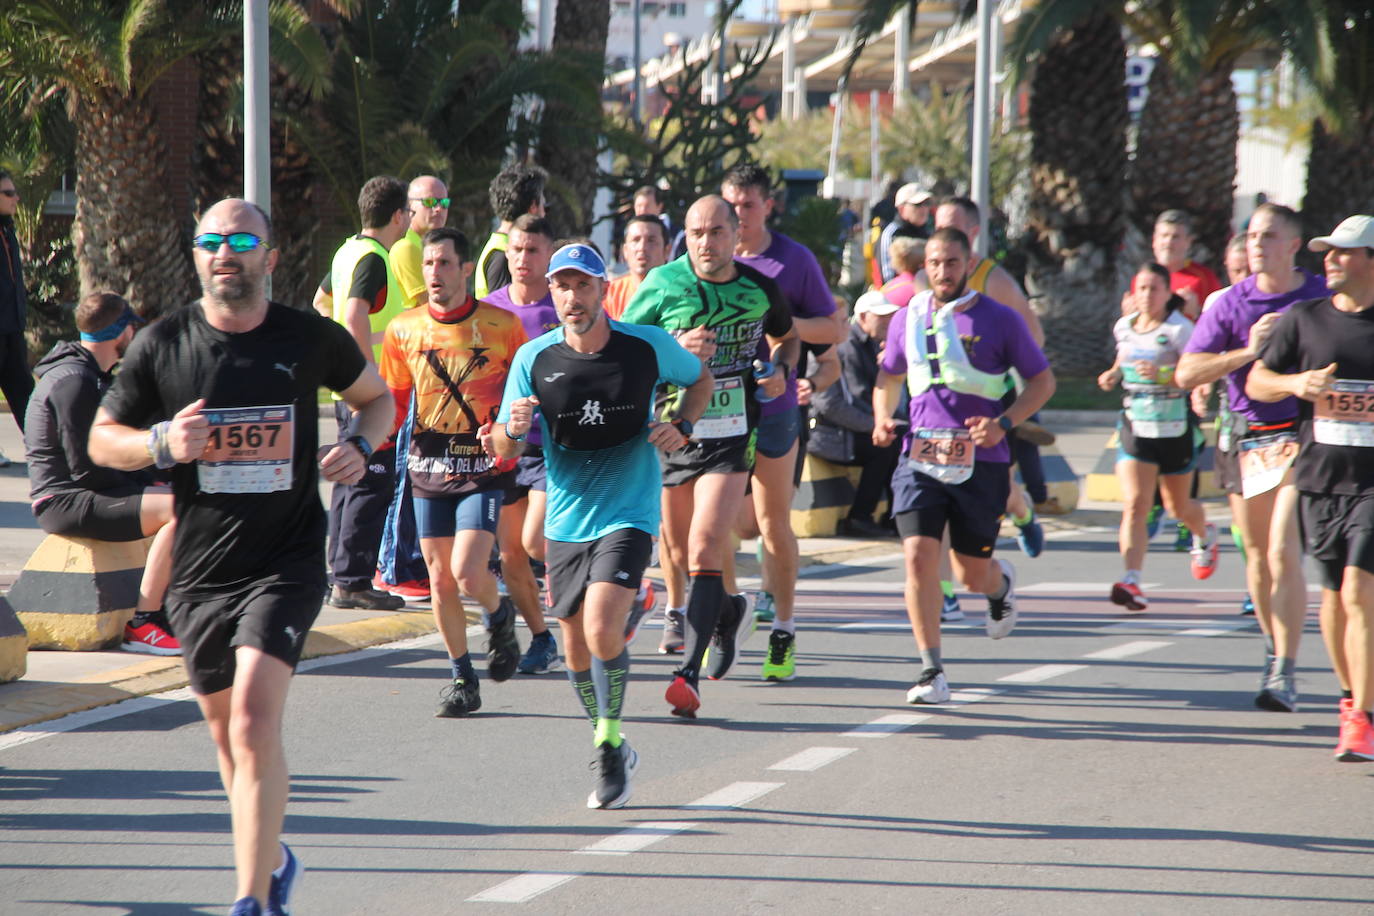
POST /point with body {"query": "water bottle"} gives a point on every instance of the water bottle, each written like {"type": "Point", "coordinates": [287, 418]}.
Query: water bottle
{"type": "Point", "coordinates": [763, 369]}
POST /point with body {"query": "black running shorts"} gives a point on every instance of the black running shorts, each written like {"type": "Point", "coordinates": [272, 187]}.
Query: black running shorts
{"type": "Point", "coordinates": [1338, 531]}
{"type": "Point", "coordinates": [923, 506]}
{"type": "Point", "coordinates": [274, 617]}
{"type": "Point", "coordinates": [618, 557]}
{"type": "Point", "coordinates": [110, 515]}
{"type": "Point", "coordinates": [709, 456]}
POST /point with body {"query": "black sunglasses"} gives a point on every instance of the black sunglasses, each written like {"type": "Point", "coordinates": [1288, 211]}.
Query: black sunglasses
{"type": "Point", "coordinates": [11, 192]}
{"type": "Point", "coordinates": [239, 242]}
{"type": "Point", "coordinates": [433, 201]}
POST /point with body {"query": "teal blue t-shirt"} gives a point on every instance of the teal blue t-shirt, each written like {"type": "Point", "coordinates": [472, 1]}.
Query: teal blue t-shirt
{"type": "Point", "coordinates": [594, 412]}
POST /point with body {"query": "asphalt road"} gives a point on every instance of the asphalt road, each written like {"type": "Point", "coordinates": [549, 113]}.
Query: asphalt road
{"type": "Point", "coordinates": [1089, 764]}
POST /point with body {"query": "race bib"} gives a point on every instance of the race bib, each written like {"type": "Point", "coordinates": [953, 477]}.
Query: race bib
{"type": "Point", "coordinates": [1161, 414]}
{"type": "Point", "coordinates": [249, 451]}
{"type": "Point", "coordinates": [724, 417]}
{"type": "Point", "coordinates": [945, 454]}
{"type": "Point", "coordinates": [1345, 414]}
{"type": "Point", "coordinates": [1265, 460]}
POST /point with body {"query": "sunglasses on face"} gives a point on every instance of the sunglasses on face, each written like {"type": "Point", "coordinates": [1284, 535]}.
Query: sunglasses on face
{"type": "Point", "coordinates": [11, 192]}
{"type": "Point", "coordinates": [433, 201]}
{"type": "Point", "coordinates": [239, 242]}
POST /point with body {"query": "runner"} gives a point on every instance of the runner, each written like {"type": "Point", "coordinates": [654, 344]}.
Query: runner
{"type": "Point", "coordinates": [954, 347]}
{"type": "Point", "coordinates": [799, 277]}
{"type": "Point", "coordinates": [1264, 436]}
{"type": "Point", "coordinates": [520, 535]}
{"type": "Point", "coordinates": [723, 312]}
{"type": "Point", "coordinates": [592, 382]}
{"type": "Point", "coordinates": [645, 247]}
{"type": "Point", "coordinates": [453, 355]}
{"type": "Point", "coordinates": [1160, 441]}
{"type": "Point", "coordinates": [228, 386]}
{"type": "Point", "coordinates": [1322, 352]}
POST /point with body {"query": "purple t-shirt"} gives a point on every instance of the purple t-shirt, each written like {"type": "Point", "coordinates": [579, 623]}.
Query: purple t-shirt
{"type": "Point", "coordinates": [537, 319]}
{"type": "Point", "coordinates": [1226, 326]}
{"type": "Point", "coordinates": [798, 274]}
{"type": "Point", "coordinates": [995, 339]}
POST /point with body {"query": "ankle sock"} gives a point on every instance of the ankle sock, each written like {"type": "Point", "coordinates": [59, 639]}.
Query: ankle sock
{"type": "Point", "coordinates": [947, 588]}
{"type": "Point", "coordinates": [462, 668]}
{"type": "Point", "coordinates": [784, 626]}
{"type": "Point", "coordinates": [1285, 666]}
{"type": "Point", "coordinates": [607, 732]}
{"type": "Point", "coordinates": [930, 658]}
{"type": "Point", "coordinates": [1024, 520]}
{"type": "Point", "coordinates": [1132, 577]}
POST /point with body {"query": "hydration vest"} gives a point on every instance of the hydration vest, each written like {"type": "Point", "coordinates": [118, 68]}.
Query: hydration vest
{"type": "Point", "coordinates": [955, 372]}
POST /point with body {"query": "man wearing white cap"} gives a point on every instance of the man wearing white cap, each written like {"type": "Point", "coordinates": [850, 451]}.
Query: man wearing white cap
{"type": "Point", "coordinates": [1322, 352]}
{"type": "Point", "coordinates": [592, 382]}
{"type": "Point", "coordinates": [913, 211]}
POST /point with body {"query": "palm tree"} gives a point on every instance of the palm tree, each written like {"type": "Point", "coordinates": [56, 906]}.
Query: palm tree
{"type": "Point", "coordinates": [570, 130]}
{"type": "Point", "coordinates": [103, 56]}
{"type": "Point", "coordinates": [1075, 218]}
{"type": "Point", "coordinates": [1340, 166]}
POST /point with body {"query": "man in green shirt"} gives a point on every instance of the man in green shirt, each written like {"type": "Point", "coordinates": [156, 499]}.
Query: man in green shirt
{"type": "Point", "coordinates": [732, 317]}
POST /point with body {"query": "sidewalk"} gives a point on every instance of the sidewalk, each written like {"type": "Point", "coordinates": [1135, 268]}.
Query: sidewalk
{"type": "Point", "coordinates": [60, 683]}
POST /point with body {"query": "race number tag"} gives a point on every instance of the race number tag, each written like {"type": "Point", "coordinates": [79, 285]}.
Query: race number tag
{"type": "Point", "coordinates": [1265, 460]}
{"type": "Point", "coordinates": [724, 417]}
{"type": "Point", "coordinates": [945, 454]}
{"type": "Point", "coordinates": [249, 451]}
{"type": "Point", "coordinates": [1345, 414]}
{"type": "Point", "coordinates": [1161, 414]}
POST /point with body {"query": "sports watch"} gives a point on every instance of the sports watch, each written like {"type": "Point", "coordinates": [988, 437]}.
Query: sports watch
{"type": "Point", "coordinates": [361, 445]}
{"type": "Point", "coordinates": [1004, 421]}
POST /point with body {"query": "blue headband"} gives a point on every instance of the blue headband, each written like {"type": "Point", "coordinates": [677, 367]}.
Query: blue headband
{"type": "Point", "coordinates": [114, 329]}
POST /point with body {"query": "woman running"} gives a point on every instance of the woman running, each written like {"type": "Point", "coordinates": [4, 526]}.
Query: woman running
{"type": "Point", "coordinates": [1160, 441]}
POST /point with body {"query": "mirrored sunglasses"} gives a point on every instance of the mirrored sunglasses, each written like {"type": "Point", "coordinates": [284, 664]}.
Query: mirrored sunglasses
{"type": "Point", "coordinates": [239, 242]}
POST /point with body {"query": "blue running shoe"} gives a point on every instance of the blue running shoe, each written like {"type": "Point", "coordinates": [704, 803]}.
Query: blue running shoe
{"type": "Point", "coordinates": [246, 906]}
{"type": "Point", "coordinates": [1247, 607]}
{"type": "Point", "coordinates": [763, 607]}
{"type": "Point", "coordinates": [951, 610]}
{"type": "Point", "coordinates": [1152, 521]}
{"type": "Point", "coordinates": [1183, 542]}
{"type": "Point", "coordinates": [284, 882]}
{"type": "Point", "coordinates": [1030, 537]}
{"type": "Point", "coordinates": [541, 657]}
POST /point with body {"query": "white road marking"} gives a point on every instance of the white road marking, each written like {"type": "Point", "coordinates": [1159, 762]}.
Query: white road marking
{"type": "Point", "coordinates": [813, 758]}
{"type": "Point", "coordinates": [734, 795]}
{"type": "Point", "coordinates": [635, 838]}
{"type": "Point", "coordinates": [523, 887]}
{"type": "Point", "coordinates": [40, 730]}
{"type": "Point", "coordinates": [883, 726]}
{"type": "Point", "coordinates": [1126, 650]}
{"type": "Point", "coordinates": [1216, 630]}
{"type": "Point", "coordinates": [1041, 673]}
{"type": "Point", "coordinates": [972, 695]}
{"type": "Point", "coordinates": [1080, 587]}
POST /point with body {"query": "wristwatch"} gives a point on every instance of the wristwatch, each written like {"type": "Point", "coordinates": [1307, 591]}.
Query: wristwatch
{"type": "Point", "coordinates": [683, 425]}
{"type": "Point", "coordinates": [1004, 421]}
{"type": "Point", "coordinates": [361, 445]}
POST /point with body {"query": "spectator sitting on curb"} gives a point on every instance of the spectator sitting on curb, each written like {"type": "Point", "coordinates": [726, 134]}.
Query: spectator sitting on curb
{"type": "Point", "coordinates": [74, 497]}
{"type": "Point", "coordinates": [846, 408]}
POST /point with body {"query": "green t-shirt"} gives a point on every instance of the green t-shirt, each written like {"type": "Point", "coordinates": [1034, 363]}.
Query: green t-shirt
{"type": "Point", "coordinates": [741, 312]}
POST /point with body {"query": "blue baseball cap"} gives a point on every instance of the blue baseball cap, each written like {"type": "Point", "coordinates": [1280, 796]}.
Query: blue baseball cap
{"type": "Point", "coordinates": [577, 257]}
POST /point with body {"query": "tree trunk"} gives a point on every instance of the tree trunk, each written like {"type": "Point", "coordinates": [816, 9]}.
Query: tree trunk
{"type": "Point", "coordinates": [1340, 176]}
{"type": "Point", "coordinates": [128, 237]}
{"type": "Point", "coordinates": [1075, 219]}
{"type": "Point", "coordinates": [219, 168]}
{"type": "Point", "coordinates": [1186, 157]}
{"type": "Point", "coordinates": [569, 137]}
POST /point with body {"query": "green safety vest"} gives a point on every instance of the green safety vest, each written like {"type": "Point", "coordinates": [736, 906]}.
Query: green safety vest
{"type": "Point", "coordinates": [341, 277]}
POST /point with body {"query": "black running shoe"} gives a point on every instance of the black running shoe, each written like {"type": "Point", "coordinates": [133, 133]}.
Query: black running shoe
{"type": "Point", "coordinates": [614, 766]}
{"type": "Point", "coordinates": [503, 649]}
{"type": "Point", "coordinates": [458, 699]}
{"type": "Point", "coordinates": [734, 628]}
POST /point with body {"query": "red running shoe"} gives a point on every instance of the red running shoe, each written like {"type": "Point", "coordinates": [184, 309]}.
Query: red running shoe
{"type": "Point", "coordinates": [150, 639]}
{"type": "Point", "coordinates": [682, 696]}
{"type": "Point", "coordinates": [415, 588]}
{"type": "Point", "coordinates": [1204, 560]}
{"type": "Point", "coordinates": [1129, 596]}
{"type": "Point", "coordinates": [1357, 737]}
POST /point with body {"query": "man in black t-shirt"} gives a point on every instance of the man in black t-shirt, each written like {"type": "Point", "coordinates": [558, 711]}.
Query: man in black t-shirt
{"type": "Point", "coordinates": [1322, 352]}
{"type": "Point", "coordinates": [223, 393]}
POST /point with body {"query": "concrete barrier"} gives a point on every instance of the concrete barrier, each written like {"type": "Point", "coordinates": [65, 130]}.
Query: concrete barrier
{"type": "Point", "coordinates": [77, 593]}
{"type": "Point", "coordinates": [824, 497]}
{"type": "Point", "coordinates": [14, 645]}
{"type": "Point", "coordinates": [1102, 484]}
